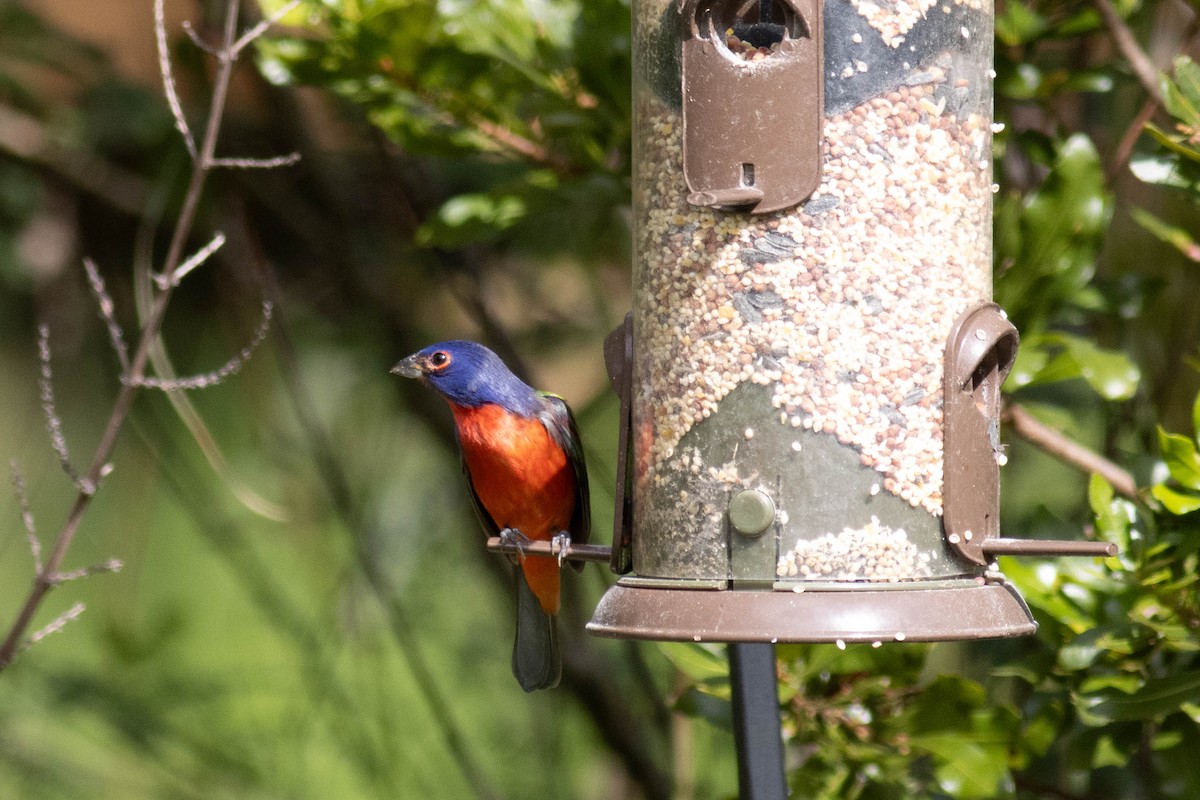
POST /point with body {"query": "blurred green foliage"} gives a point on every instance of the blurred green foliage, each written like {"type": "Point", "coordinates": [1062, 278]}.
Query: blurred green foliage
{"type": "Point", "coordinates": [465, 172]}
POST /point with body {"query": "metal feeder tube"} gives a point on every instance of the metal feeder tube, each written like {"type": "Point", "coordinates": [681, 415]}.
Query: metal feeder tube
{"type": "Point", "coordinates": [810, 377]}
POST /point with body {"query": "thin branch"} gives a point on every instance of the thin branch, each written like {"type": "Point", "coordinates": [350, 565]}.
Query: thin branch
{"type": "Point", "coordinates": [22, 493]}
{"type": "Point", "coordinates": [231, 367]}
{"type": "Point", "coordinates": [511, 140]}
{"type": "Point", "coordinates": [261, 28]}
{"type": "Point", "coordinates": [1124, 149]}
{"type": "Point", "coordinates": [1143, 68]}
{"type": "Point", "coordinates": [55, 625]}
{"type": "Point", "coordinates": [112, 565]}
{"type": "Point", "coordinates": [190, 30]}
{"type": "Point", "coordinates": [198, 258]}
{"type": "Point", "coordinates": [255, 163]}
{"type": "Point", "coordinates": [15, 639]}
{"type": "Point", "coordinates": [53, 422]}
{"type": "Point", "coordinates": [168, 76]}
{"type": "Point", "coordinates": [108, 313]}
{"type": "Point", "coordinates": [1067, 450]}
{"type": "Point", "coordinates": [144, 294]}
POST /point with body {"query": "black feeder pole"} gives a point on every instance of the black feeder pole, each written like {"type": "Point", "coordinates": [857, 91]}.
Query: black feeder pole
{"type": "Point", "coordinates": [756, 731]}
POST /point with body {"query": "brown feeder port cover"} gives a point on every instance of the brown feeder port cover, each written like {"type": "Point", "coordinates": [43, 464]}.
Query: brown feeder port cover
{"type": "Point", "coordinates": [752, 131]}
{"type": "Point", "coordinates": [966, 610]}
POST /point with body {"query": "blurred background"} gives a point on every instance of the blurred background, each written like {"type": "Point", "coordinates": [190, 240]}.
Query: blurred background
{"type": "Point", "coordinates": [306, 608]}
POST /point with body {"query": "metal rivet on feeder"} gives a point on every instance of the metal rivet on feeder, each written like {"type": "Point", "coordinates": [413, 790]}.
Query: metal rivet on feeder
{"type": "Point", "coordinates": [751, 512]}
{"type": "Point", "coordinates": [811, 374]}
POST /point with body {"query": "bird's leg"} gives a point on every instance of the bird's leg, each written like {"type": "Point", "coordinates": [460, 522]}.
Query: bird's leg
{"type": "Point", "coordinates": [514, 537]}
{"type": "Point", "coordinates": [560, 544]}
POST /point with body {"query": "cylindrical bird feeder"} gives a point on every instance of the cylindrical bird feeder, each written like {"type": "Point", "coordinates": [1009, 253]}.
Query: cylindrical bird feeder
{"type": "Point", "coordinates": [814, 365]}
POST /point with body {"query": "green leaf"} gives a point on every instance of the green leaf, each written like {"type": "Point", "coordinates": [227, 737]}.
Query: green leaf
{"type": "Point", "coordinates": [1126, 683]}
{"type": "Point", "coordinates": [1159, 171]}
{"type": "Point", "coordinates": [1182, 460]}
{"type": "Point", "coordinates": [1114, 516]}
{"type": "Point", "coordinates": [1176, 501]}
{"type": "Point", "coordinates": [1176, 143]}
{"type": "Point", "coordinates": [1019, 24]}
{"type": "Point", "coordinates": [1100, 494]}
{"type": "Point", "coordinates": [1178, 238]}
{"type": "Point", "coordinates": [1066, 356]}
{"type": "Point", "coordinates": [1018, 81]}
{"type": "Point", "coordinates": [1196, 417]}
{"type": "Point", "coordinates": [1181, 94]}
{"type": "Point", "coordinates": [1096, 80]}
{"type": "Point", "coordinates": [1107, 754]}
{"type": "Point", "coordinates": [1062, 224]}
{"type": "Point", "coordinates": [1039, 583]}
{"type": "Point", "coordinates": [715, 710]}
{"type": "Point", "coordinates": [1031, 361]}
{"type": "Point", "coordinates": [1153, 701]}
{"type": "Point", "coordinates": [966, 766]}
{"type": "Point", "coordinates": [1083, 651]}
{"type": "Point", "coordinates": [471, 218]}
{"type": "Point", "coordinates": [1111, 373]}
{"type": "Point", "coordinates": [1080, 652]}
{"type": "Point", "coordinates": [699, 662]}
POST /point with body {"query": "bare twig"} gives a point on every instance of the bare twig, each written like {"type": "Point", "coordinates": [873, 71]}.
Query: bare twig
{"type": "Point", "coordinates": [108, 313]}
{"type": "Point", "coordinates": [197, 40]}
{"type": "Point", "coordinates": [1124, 148]}
{"type": "Point", "coordinates": [256, 163]}
{"type": "Point", "coordinates": [1143, 68]}
{"type": "Point", "coordinates": [231, 367]}
{"type": "Point", "coordinates": [195, 260]}
{"type": "Point", "coordinates": [53, 422]}
{"type": "Point", "coordinates": [112, 565]}
{"type": "Point", "coordinates": [22, 493]}
{"type": "Point", "coordinates": [261, 28]}
{"type": "Point", "coordinates": [134, 374]}
{"type": "Point", "coordinates": [168, 76]}
{"type": "Point", "coordinates": [522, 146]}
{"type": "Point", "coordinates": [56, 625]}
{"type": "Point", "coordinates": [1067, 450]}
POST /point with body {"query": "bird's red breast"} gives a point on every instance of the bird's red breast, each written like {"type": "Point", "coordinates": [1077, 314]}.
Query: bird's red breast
{"type": "Point", "coordinates": [523, 479]}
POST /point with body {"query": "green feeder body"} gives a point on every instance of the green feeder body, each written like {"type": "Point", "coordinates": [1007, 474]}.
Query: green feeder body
{"type": "Point", "coordinates": [814, 383]}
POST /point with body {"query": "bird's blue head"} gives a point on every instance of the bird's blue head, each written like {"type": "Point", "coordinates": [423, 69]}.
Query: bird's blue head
{"type": "Point", "coordinates": [469, 374]}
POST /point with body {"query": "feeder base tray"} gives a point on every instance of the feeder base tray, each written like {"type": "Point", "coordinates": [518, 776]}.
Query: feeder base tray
{"type": "Point", "coordinates": [864, 614]}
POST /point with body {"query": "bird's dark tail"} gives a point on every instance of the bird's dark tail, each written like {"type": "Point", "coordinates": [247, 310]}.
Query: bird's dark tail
{"type": "Point", "coordinates": [535, 660]}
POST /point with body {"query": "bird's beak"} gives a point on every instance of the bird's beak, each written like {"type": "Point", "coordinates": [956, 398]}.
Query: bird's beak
{"type": "Point", "coordinates": [408, 368]}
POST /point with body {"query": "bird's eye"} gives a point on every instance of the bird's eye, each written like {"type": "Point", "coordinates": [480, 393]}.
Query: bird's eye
{"type": "Point", "coordinates": [439, 360]}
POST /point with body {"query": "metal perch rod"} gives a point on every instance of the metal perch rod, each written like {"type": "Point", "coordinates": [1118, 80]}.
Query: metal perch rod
{"type": "Point", "coordinates": [1047, 547]}
{"type": "Point", "coordinates": [574, 552]}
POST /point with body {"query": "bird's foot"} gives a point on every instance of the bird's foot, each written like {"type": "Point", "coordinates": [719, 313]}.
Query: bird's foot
{"type": "Point", "coordinates": [514, 537]}
{"type": "Point", "coordinates": [559, 545]}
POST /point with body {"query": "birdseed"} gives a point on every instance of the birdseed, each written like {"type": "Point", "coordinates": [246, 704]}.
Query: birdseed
{"type": "Point", "coordinates": [842, 306]}
{"type": "Point", "coordinates": [873, 552]}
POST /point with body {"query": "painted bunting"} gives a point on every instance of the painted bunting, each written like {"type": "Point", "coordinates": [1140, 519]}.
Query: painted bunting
{"type": "Point", "coordinates": [524, 465]}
